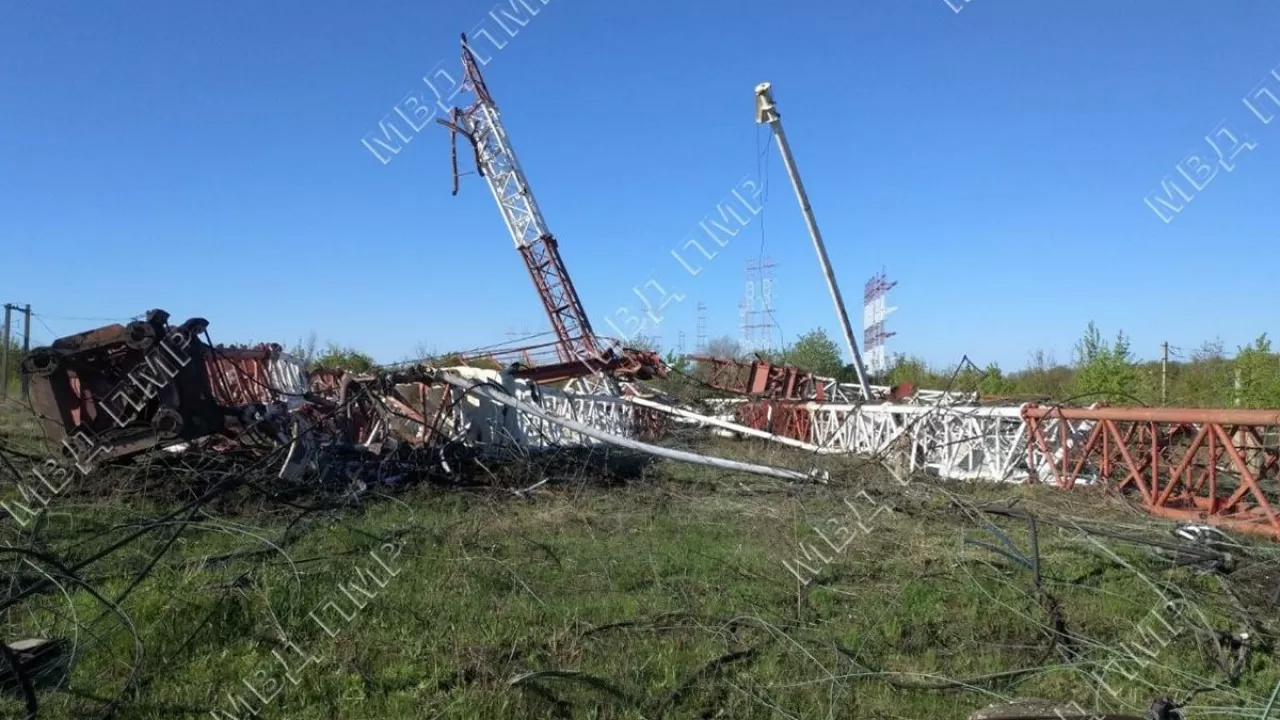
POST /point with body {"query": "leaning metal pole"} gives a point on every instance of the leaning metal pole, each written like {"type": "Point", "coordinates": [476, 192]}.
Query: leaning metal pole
{"type": "Point", "coordinates": [767, 113]}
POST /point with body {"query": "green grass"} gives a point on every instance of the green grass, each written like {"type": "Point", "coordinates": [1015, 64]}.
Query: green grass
{"type": "Point", "coordinates": [665, 597]}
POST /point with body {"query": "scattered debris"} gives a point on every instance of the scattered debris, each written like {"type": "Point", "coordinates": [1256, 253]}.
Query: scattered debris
{"type": "Point", "coordinates": [116, 391]}
{"type": "Point", "coordinates": [1047, 710]}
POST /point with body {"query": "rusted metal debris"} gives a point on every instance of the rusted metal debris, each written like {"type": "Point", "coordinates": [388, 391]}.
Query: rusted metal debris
{"type": "Point", "coordinates": [119, 390]}
{"type": "Point", "coordinates": [776, 381]}
{"type": "Point", "coordinates": [25, 664]}
{"type": "Point", "coordinates": [624, 364]}
{"type": "Point", "coordinates": [542, 363]}
{"type": "Point", "coordinates": [761, 379]}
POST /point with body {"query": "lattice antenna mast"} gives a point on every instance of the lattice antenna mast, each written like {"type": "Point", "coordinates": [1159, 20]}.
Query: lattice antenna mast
{"type": "Point", "coordinates": [496, 162]}
{"type": "Point", "coordinates": [747, 309]}
{"type": "Point", "coordinates": [702, 326]}
{"type": "Point", "coordinates": [875, 309]}
{"type": "Point", "coordinates": [769, 324]}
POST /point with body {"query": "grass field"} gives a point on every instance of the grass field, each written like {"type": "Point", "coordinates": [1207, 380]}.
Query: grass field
{"type": "Point", "coordinates": [662, 594]}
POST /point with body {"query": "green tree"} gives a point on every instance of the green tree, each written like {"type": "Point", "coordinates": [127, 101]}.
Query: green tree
{"type": "Point", "coordinates": [1204, 381]}
{"type": "Point", "coordinates": [305, 350]}
{"type": "Point", "coordinates": [993, 383]}
{"type": "Point", "coordinates": [849, 374]}
{"type": "Point", "coordinates": [912, 370]}
{"type": "Point", "coordinates": [968, 378]}
{"type": "Point", "coordinates": [1043, 378]}
{"type": "Point", "coordinates": [723, 347]}
{"type": "Point", "coordinates": [987, 382]}
{"type": "Point", "coordinates": [345, 358]}
{"type": "Point", "coordinates": [678, 363]}
{"type": "Point", "coordinates": [773, 356]}
{"type": "Point", "coordinates": [1258, 370]}
{"type": "Point", "coordinates": [817, 353]}
{"type": "Point", "coordinates": [964, 378]}
{"type": "Point", "coordinates": [1105, 371]}
{"type": "Point", "coordinates": [640, 341]}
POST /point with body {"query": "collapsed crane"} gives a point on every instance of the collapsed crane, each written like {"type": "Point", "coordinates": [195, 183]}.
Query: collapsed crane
{"type": "Point", "coordinates": [577, 346]}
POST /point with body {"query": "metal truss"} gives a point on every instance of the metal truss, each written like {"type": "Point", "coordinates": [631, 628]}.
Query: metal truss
{"type": "Point", "coordinates": [422, 411]}
{"type": "Point", "coordinates": [848, 392]}
{"type": "Point", "coordinates": [481, 123]}
{"type": "Point", "coordinates": [957, 442]}
{"type": "Point", "coordinates": [262, 374]}
{"type": "Point", "coordinates": [1220, 467]}
{"type": "Point", "coordinates": [759, 378]}
{"type": "Point", "coordinates": [607, 413]}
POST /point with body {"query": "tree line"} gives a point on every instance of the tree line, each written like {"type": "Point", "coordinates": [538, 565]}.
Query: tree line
{"type": "Point", "coordinates": [1100, 370]}
{"type": "Point", "coordinates": [1107, 371]}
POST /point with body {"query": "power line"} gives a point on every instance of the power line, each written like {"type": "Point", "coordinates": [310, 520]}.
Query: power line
{"type": "Point", "coordinates": [45, 325]}
{"type": "Point", "coordinates": [89, 319]}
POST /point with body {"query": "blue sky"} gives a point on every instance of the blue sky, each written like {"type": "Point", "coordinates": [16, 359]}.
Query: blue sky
{"type": "Point", "coordinates": [208, 159]}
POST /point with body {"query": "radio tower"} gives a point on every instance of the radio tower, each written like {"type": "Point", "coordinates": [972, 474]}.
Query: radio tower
{"type": "Point", "coordinates": [874, 311]}
{"type": "Point", "coordinates": [702, 326]}
{"type": "Point", "coordinates": [748, 314]}
{"type": "Point", "coordinates": [766, 301]}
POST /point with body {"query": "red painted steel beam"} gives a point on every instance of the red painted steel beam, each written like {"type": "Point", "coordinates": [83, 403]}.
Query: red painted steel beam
{"type": "Point", "coordinates": [532, 362]}
{"type": "Point", "coordinates": [641, 364]}
{"type": "Point", "coordinates": [762, 379]}
{"type": "Point", "coordinates": [240, 375]}
{"type": "Point", "coordinates": [1158, 415]}
{"type": "Point", "coordinates": [1189, 464]}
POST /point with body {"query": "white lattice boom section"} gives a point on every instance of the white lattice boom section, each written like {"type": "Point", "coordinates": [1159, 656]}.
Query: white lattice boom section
{"type": "Point", "coordinates": [958, 443]}
{"type": "Point", "coordinates": [1220, 467]}
{"type": "Point", "coordinates": [481, 123]}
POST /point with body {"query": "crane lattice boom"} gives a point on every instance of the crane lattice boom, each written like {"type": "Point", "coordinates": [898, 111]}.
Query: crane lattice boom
{"type": "Point", "coordinates": [496, 160]}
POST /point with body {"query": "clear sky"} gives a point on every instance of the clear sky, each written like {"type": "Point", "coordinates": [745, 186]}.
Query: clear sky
{"type": "Point", "coordinates": [207, 158]}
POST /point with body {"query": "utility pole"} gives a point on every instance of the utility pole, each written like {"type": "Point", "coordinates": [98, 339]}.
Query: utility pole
{"type": "Point", "coordinates": [1164, 373]}
{"type": "Point", "coordinates": [4, 354]}
{"type": "Point", "coordinates": [767, 113]}
{"type": "Point", "coordinates": [26, 348]}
